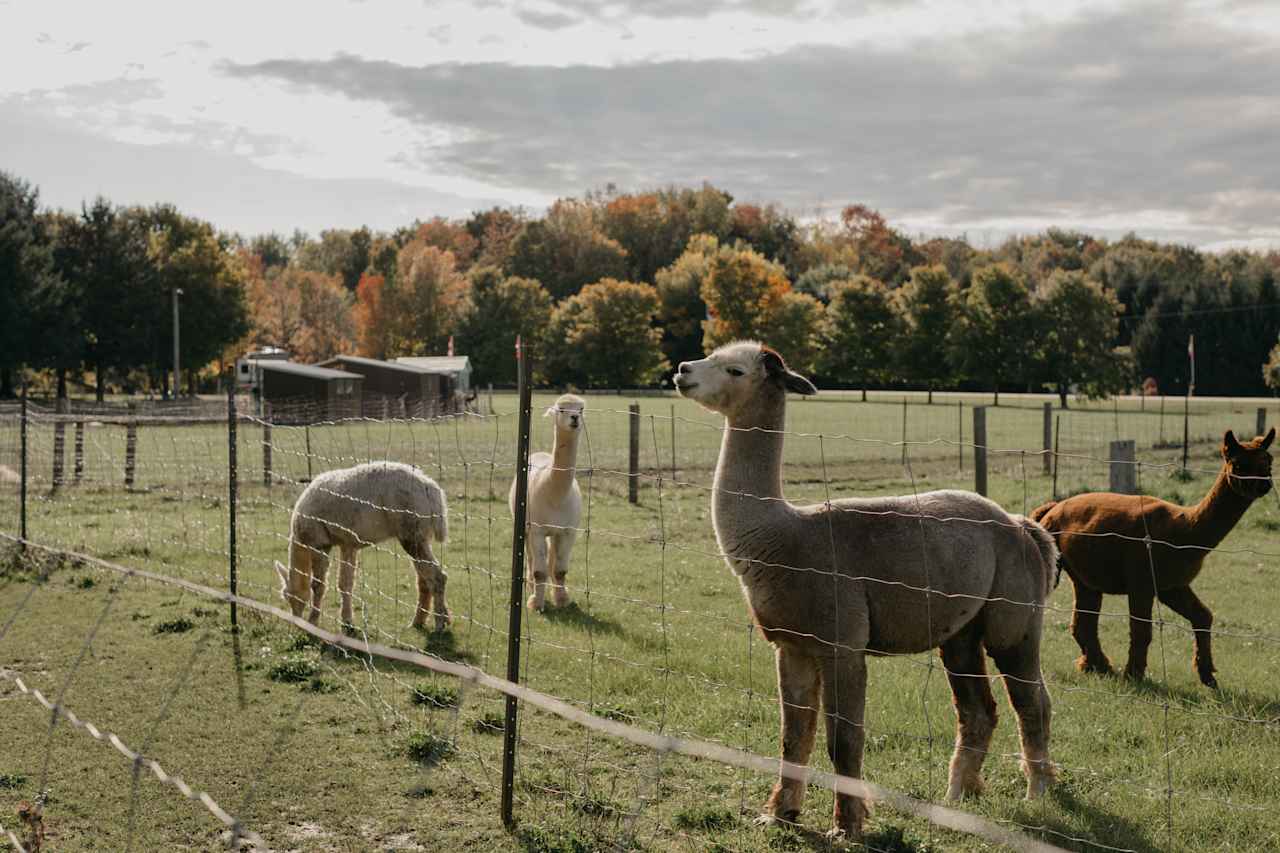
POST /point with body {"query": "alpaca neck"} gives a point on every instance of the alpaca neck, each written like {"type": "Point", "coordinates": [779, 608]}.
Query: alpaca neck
{"type": "Point", "coordinates": [1217, 513]}
{"type": "Point", "coordinates": [749, 473]}
{"type": "Point", "coordinates": [564, 455]}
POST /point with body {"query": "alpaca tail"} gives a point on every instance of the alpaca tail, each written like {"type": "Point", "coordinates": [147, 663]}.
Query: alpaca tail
{"type": "Point", "coordinates": [1038, 515]}
{"type": "Point", "coordinates": [1050, 559]}
{"type": "Point", "coordinates": [439, 520]}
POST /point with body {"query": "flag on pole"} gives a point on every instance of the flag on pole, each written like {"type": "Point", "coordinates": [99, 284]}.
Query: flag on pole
{"type": "Point", "coordinates": [1191, 353]}
{"type": "Point", "coordinates": [451, 345]}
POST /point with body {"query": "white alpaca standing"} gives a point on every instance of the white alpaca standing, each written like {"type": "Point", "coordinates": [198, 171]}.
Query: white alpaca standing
{"type": "Point", "coordinates": [554, 504]}
{"type": "Point", "coordinates": [356, 507]}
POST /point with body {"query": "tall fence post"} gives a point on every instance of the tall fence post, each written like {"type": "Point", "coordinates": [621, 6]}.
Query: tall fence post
{"type": "Point", "coordinates": [1057, 435]}
{"type": "Point", "coordinates": [980, 450]}
{"type": "Point", "coordinates": [633, 456]}
{"type": "Point", "coordinates": [490, 399]}
{"type": "Point", "coordinates": [1124, 471]}
{"type": "Point", "coordinates": [22, 472]}
{"type": "Point", "coordinates": [960, 433]}
{"type": "Point", "coordinates": [904, 430]}
{"type": "Point", "coordinates": [673, 443]}
{"type": "Point", "coordinates": [1261, 428]}
{"type": "Point", "coordinates": [79, 452]}
{"type": "Point", "coordinates": [131, 446]}
{"type": "Point", "coordinates": [306, 430]}
{"type": "Point", "coordinates": [62, 407]}
{"type": "Point", "coordinates": [1048, 434]}
{"type": "Point", "coordinates": [232, 476]}
{"type": "Point", "coordinates": [266, 448]}
{"type": "Point", "coordinates": [517, 587]}
{"type": "Point", "coordinates": [1186, 429]}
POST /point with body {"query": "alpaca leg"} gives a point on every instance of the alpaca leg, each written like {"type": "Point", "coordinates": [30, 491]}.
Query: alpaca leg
{"type": "Point", "coordinates": [537, 547]}
{"type": "Point", "coordinates": [1084, 628]}
{"type": "Point", "coordinates": [844, 687]}
{"type": "Point", "coordinates": [975, 711]}
{"type": "Point", "coordinates": [295, 579]}
{"type": "Point", "coordinates": [346, 579]}
{"type": "Point", "coordinates": [1187, 604]}
{"type": "Point", "coordinates": [1024, 683]}
{"type": "Point", "coordinates": [799, 680]}
{"type": "Point", "coordinates": [562, 546]}
{"type": "Point", "coordinates": [438, 580]}
{"type": "Point", "coordinates": [319, 570]}
{"type": "Point", "coordinates": [1140, 603]}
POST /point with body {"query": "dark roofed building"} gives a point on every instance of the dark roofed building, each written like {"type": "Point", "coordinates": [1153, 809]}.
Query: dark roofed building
{"type": "Point", "coordinates": [303, 393]}
{"type": "Point", "coordinates": [392, 389]}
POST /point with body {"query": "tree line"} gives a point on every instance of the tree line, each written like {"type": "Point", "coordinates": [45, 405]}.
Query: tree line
{"type": "Point", "coordinates": [614, 289]}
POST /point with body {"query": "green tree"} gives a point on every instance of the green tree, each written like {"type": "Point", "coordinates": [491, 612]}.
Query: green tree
{"type": "Point", "coordinates": [860, 333]}
{"type": "Point", "coordinates": [742, 291]}
{"type": "Point", "coordinates": [993, 335]}
{"type": "Point", "coordinates": [500, 308]}
{"type": "Point", "coordinates": [682, 308]}
{"type": "Point", "coordinates": [604, 336]}
{"type": "Point", "coordinates": [31, 291]}
{"type": "Point", "coordinates": [1078, 321]}
{"type": "Point", "coordinates": [817, 281]}
{"type": "Point", "coordinates": [566, 249]}
{"type": "Point", "coordinates": [428, 297]}
{"type": "Point", "coordinates": [924, 308]}
{"type": "Point", "coordinates": [796, 330]}
{"type": "Point", "coordinates": [339, 252]}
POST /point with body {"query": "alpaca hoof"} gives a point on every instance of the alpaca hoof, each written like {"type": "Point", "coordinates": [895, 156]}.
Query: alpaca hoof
{"type": "Point", "coordinates": [348, 629]}
{"type": "Point", "coordinates": [962, 789]}
{"type": "Point", "coordinates": [1208, 680]}
{"type": "Point", "coordinates": [537, 604]}
{"type": "Point", "coordinates": [766, 820]}
{"type": "Point", "coordinates": [1087, 664]}
{"type": "Point", "coordinates": [560, 599]}
{"type": "Point", "coordinates": [443, 621]}
{"type": "Point", "coordinates": [1134, 674]}
{"type": "Point", "coordinates": [837, 837]}
{"type": "Point", "coordinates": [1038, 784]}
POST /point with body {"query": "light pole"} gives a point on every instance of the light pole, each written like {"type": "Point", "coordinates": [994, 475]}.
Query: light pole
{"type": "Point", "coordinates": [177, 371]}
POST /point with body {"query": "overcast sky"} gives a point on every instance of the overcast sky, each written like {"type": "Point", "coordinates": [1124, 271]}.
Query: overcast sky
{"type": "Point", "coordinates": [981, 118]}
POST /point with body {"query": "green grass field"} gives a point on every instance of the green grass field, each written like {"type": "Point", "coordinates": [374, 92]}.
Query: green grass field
{"type": "Point", "coordinates": [318, 751]}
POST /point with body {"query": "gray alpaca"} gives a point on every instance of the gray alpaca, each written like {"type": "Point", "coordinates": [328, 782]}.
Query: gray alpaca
{"type": "Point", "coordinates": [831, 583]}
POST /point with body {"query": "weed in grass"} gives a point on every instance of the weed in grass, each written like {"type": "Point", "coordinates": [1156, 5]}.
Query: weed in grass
{"type": "Point", "coordinates": [302, 642]}
{"type": "Point", "coordinates": [895, 839]}
{"type": "Point", "coordinates": [12, 781]}
{"type": "Point", "coordinates": [433, 696]}
{"type": "Point", "coordinates": [428, 748]}
{"type": "Point", "coordinates": [1182, 475]}
{"type": "Point", "coordinates": [201, 612]}
{"type": "Point", "coordinates": [292, 670]}
{"type": "Point", "coordinates": [705, 819]}
{"type": "Point", "coordinates": [139, 616]}
{"type": "Point", "coordinates": [544, 839]}
{"type": "Point", "coordinates": [490, 723]}
{"type": "Point", "coordinates": [82, 582]}
{"type": "Point", "coordinates": [180, 625]}
{"type": "Point", "coordinates": [320, 685]}
{"type": "Point", "coordinates": [1270, 525]}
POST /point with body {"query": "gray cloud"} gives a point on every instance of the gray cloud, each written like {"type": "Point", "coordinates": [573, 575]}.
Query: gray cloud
{"type": "Point", "coordinates": [626, 9]}
{"type": "Point", "coordinates": [546, 20]}
{"type": "Point", "coordinates": [1103, 117]}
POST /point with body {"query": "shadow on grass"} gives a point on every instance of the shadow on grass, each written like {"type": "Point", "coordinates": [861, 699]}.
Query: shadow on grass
{"type": "Point", "coordinates": [1098, 824]}
{"type": "Point", "coordinates": [573, 616]}
{"type": "Point", "coordinates": [1230, 701]}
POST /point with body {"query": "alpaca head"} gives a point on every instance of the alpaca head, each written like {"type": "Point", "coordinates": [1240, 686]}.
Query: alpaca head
{"type": "Point", "coordinates": [1249, 463]}
{"type": "Point", "coordinates": [568, 410]}
{"type": "Point", "coordinates": [739, 378]}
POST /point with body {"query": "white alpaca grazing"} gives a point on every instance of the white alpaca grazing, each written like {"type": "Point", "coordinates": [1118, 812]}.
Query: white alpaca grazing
{"type": "Point", "coordinates": [357, 507]}
{"type": "Point", "coordinates": [554, 505]}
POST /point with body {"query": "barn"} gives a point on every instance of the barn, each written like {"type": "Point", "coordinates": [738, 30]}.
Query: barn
{"type": "Point", "coordinates": [392, 389]}
{"type": "Point", "coordinates": [454, 370]}
{"type": "Point", "coordinates": [302, 393]}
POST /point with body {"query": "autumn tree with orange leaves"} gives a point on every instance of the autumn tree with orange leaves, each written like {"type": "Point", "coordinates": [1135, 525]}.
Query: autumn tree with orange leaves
{"type": "Point", "coordinates": [743, 291]}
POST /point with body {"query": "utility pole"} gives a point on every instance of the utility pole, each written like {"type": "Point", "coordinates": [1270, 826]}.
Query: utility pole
{"type": "Point", "coordinates": [177, 369]}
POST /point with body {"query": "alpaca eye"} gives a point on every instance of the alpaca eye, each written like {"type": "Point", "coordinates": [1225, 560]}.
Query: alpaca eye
{"type": "Point", "coordinates": [734, 371]}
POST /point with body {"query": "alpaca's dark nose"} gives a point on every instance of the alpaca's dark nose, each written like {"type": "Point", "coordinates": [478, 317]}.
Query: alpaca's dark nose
{"type": "Point", "coordinates": [573, 420]}
{"type": "Point", "coordinates": [685, 367]}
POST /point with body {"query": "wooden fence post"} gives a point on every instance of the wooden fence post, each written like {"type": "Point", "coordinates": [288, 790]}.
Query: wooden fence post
{"type": "Point", "coordinates": [1048, 434]}
{"type": "Point", "coordinates": [980, 450]}
{"type": "Point", "coordinates": [633, 457]}
{"type": "Point", "coordinates": [61, 407]}
{"type": "Point", "coordinates": [266, 447]}
{"type": "Point", "coordinates": [79, 451]}
{"type": "Point", "coordinates": [131, 446]}
{"type": "Point", "coordinates": [1124, 471]}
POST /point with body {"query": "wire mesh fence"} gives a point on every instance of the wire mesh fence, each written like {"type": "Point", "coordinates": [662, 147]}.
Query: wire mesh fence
{"type": "Point", "coordinates": [654, 634]}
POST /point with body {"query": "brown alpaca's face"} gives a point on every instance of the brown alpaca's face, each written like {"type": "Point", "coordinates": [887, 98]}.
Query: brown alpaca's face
{"type": "Point", "coordinates": [1250, 463]}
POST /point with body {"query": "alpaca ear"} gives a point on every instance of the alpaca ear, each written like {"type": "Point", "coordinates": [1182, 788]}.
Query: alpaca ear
{"type": "Point", "coordinates": [776, 368]}
{"type": "Point", "coordinates": [551, 410]}
{"type": "Point", "coordinates": [1230, 447]}
{"type": "Point", "coordinates": [1271, 436]}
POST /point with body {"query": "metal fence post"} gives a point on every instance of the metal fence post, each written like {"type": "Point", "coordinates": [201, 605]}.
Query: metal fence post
{"type": "Point", "coordinates": [1057, 434]}
{"type": "Point", "coordinates": [960, 433]}
{"type": "Point", "coordinates": [1261, 428]}
{"type": "Point", "coordinates": [517, 588]}
{"type": "Point", "coordinates": [131, 446]}
{"type": "Point", "coordinates": [306, 429]}
{"type": "Point", "coordinates": [22, 475]}
{"type": "Point", "coordinates": [1124, 473]}
{"type": "Point", "coordinates": [673, 443]}
{"type": "Point", "coordinates": [266, 448]}
{"type": "Point", "coordinates": [980, 450]}
{"type": "Point", "coordinates": [904, 430]}
{"type": "Point", "coordinates": [1048, 434]}
{"type": "Point", "coordinates": [231, 498]}
{"type": "Point", "coordinates": [633, 456]}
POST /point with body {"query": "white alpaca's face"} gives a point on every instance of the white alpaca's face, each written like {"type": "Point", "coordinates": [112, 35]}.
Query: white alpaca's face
{"type": "Point", "coordinates": [569, 413]}
{"type": "Point", "coordinates": [720, 380]}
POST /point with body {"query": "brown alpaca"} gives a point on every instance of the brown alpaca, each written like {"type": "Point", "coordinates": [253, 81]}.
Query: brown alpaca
{"type": "Point", "coordinates": [830, 584]}
{"type": "Point", "coordinates": [1102, 540]}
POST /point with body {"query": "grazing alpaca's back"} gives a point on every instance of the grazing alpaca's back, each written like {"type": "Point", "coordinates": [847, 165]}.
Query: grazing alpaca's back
{"type": "Point", "coordinates": [353, 508]}
{"type": "Point", "coordinates": [554, 505]}
{"type": "Point", "coordinates": [1103, 539]}
{"type": "Point", "coordinates": [830, 583]}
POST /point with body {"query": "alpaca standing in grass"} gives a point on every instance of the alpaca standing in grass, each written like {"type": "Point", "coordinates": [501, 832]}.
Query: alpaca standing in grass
{"type": "Point", "coordinates": [554, 505]}
{"type": "Point", "coordinates": [830, 583]}
{"type": "Point", "coordinates": [356, 507]}
{"type": "Point", "coordinates": [1103, 539]}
